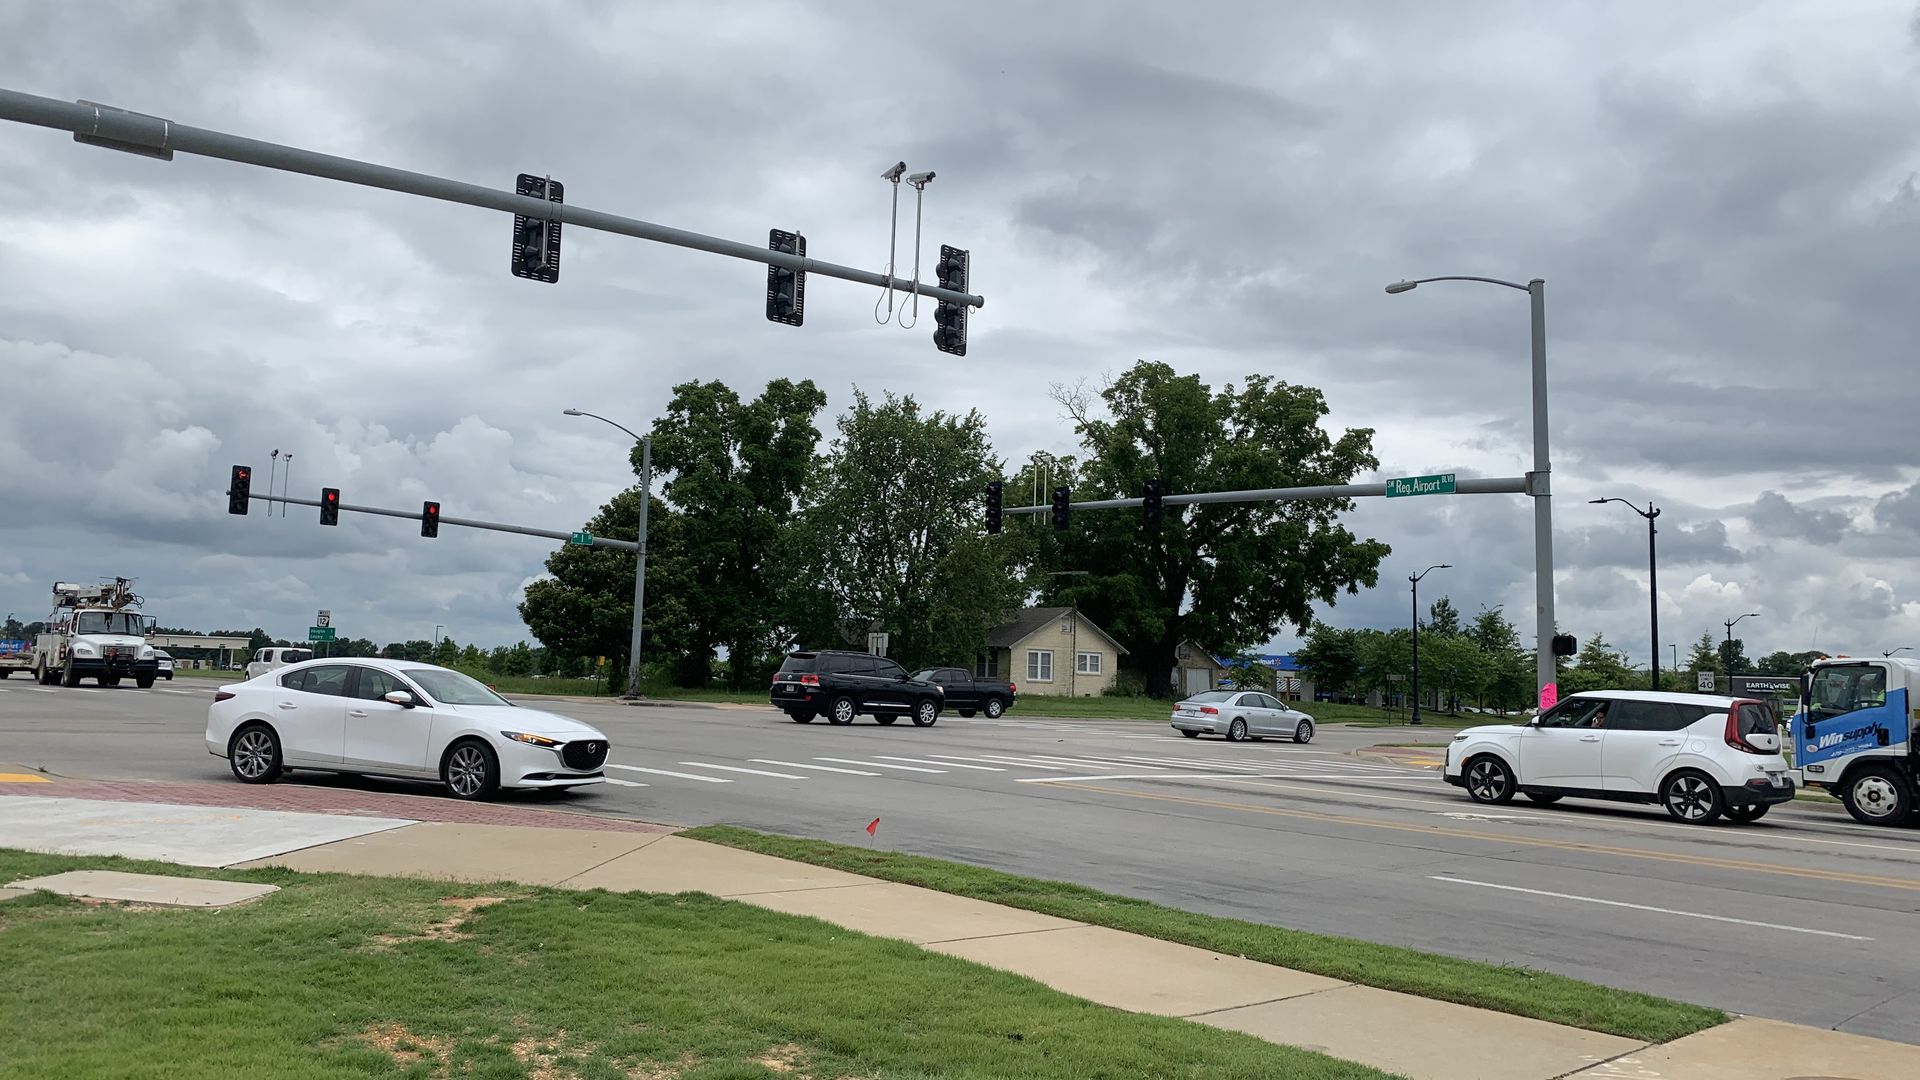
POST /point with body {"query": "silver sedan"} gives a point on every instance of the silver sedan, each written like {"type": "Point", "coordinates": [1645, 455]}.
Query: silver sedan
{"type": "Point", "coordinates": [1240, 715]}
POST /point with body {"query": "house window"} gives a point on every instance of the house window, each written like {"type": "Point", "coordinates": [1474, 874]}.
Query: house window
{"type": "Point", "coordinates": [1039, 665]}
{"type": "Point", "coordinates": [1087, 663]}
{"type": "Point", "coordinates": [987, 666]}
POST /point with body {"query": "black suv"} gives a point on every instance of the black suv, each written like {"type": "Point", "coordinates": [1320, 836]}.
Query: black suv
{"type": "Point", "coordinates": [842, 685]}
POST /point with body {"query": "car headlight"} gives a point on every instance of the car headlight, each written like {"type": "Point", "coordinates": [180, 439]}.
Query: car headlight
{"type": "Point", "coordinates": [85, 648]}
{"type": "Point", "coordinates": [532, 740]}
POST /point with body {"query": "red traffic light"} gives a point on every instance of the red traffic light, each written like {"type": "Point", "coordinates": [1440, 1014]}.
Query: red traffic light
{"type": "Point", "coordinates": [329, 506]}
{"type": "Point", "coordinates": [430, 519]}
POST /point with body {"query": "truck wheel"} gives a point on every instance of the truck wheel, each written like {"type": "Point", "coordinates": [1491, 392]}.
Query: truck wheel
{"type": "Point", "coordinates": [144, 682]}
{"type": "Point", "coordinates": [109, 680]}
{"type": "Point", "coordinates": [801, 716]}
{"type": "Point", "coordinates": [4, 672]}
{"type": "Point", "coordinates": [968, 713]}
{"type": "Point", "coordinates": [842, 710]}
{"type": "Point", "coordinates": [885, 718]}
{"type": "Point", "coordinates": [925, 712]}
{"type": "Point", "coordinates": [1877, 795]}
{"type": "Point", "coordinates": [994, 708]}
{"type": "Point", "coordinates": [70, 676]}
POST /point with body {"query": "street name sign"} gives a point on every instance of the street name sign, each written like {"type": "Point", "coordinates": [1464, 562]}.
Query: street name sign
{"type": "Point", "coordinates": [581, 539]}
{"type": "Point", "coordinates": [1437, 484]}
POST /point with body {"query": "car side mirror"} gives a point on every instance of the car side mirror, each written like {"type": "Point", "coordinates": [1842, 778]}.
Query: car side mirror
{"type": "Point", "coordinates": [400, 698]}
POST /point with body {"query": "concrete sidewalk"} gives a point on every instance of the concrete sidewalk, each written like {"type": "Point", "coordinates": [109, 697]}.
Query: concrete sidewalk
{"type": "Point", "coordinates": [1416, 1037]}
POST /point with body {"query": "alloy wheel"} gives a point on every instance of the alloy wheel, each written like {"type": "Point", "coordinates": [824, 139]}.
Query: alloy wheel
{"type": "Point", "coordinates": [467, 771]}
{"type": "Point", "coordinates": [253, 754]}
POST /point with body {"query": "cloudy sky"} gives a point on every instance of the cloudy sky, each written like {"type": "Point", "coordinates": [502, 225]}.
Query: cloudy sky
{"type": "Point", "coordinates": [1722, 198]}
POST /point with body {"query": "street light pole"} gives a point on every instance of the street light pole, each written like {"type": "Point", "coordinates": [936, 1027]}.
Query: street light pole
{"type": "Point", "coordinates": [1073, 674]}
{"type": "Point", "coordinates": [1653, 583]}
{"type": "Point", "coordinates": [1729, 625]}
{"type": "Point", "coordinates": [1415, 578]}
{"type": "Point", "coordinates": [1675, 646]}
{"type": "Point", "coordinates": [1539, 481]}
{"type": "Point", "coordinates": [1889, 652]}
{"type": "Point", "coordinates": [640, 555]}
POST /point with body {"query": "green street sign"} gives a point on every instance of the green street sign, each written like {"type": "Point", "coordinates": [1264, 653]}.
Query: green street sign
{"type": "Point", "coordinates": [1437, 484]}
{"type": "Point", "coordinates": [581, 539]}
{"type": "Point", "coordinates": [319, 633]}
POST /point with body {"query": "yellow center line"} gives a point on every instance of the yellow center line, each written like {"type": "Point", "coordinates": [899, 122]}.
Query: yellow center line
{"type": "Point", "coordinates": [1743, 865]}
{"type": "Point", "coordinates": [22, 778]}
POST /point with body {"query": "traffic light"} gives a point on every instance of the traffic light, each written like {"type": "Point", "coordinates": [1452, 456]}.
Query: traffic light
{"type": "Point", "coordinates": [993, 508]}
{"type": "Point", "coordinates": [1150, 504]}
{"type": "Point", "coordinates": [329, 506]}
{"type": "Point", "coordinates": [1564, 645]}
{"type": "Point", "coordinates": [536, 241]}
{"type": "Point", "coordinates": [430, 519]}
{"type": "Point", "coordinates": [1062, 506]}
{"type": "Point", "coordinates": [950, 319]}
{"type": "Point", "coordinates": [238, 485]}
{"type": "Point", "coordinates": [786, 289]}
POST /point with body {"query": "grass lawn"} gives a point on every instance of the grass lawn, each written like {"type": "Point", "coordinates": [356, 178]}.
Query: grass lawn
{"type": "Point", "coordinates": [1508, 989]}
{"type": "Point", "coordinates": [339, 976]}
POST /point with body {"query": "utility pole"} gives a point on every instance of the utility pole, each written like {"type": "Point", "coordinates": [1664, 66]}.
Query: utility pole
{"type": "Point", "coordinates": [1653, 585]}
{"type": "Point", "coordinates": [1415, 579]}
{"type": "Point", "coordinates": [640, 552]}
{"type": "Point", "coordinates": [1729, 625]}
{"type": "Point", "coordinates": [1073, 673]}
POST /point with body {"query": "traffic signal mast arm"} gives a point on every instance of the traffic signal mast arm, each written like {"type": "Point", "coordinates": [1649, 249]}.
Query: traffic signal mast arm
{"type": "Point", "coordinates": [1497, 485]}
{"type": "Point", "coordinates": [151, 136]}
{"type": "Point", "coordinates": [471, 523]}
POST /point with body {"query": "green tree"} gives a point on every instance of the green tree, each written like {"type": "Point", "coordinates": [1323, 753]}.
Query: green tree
{"type": "Point", "coordinates": [1705, 656]}
{"type": "Point", "coordinates": [1228, 576]}
{"type": "Point", "coordinates": [893, 535]}
{"type": "Point", "coordinates": [1598, 667]}
{"type": "Point", "coordinates": [1383, 655]}
{"type": "Point", "coordinates": [1733, 657]}
{"type": "Point", "coordinates": [447, 653]}
{"type": "Point", "coordinates": [585, 606]}
{"type": "Point", "coordinates": [1442, 617]}
{"type": "Point", "coordinates": [1509, 674]}
{"type": "Point", "coordinates": [472, 657]}
{"type": "Point", "coordinates": [1782, 662]}
{"type": "Point", "coordinates": [1452, 666]}
{"type": "Point", "coordinates": [737, 471]}
{"type": "Point", "coordinates": [1331, 658]}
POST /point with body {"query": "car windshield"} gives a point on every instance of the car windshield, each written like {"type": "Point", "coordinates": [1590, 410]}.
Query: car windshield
{"type": "Point", "coordinates": [1213, 696]}
{"type": "Point", "coordinates": [453, 688]}
{"type": "Point", "coordinates": [106, 622]}
{"type": "Point", "coordinates": [926, 674]}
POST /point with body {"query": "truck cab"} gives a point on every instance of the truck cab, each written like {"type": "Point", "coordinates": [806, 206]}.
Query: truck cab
{"type": "Point", "coordinates": [104, 644]}
{"type": "Point", "coordinates": [1855, 736]}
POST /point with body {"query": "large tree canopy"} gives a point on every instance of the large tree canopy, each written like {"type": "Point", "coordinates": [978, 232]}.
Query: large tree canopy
{"type": "Point", "coordinates": [1227, 576]}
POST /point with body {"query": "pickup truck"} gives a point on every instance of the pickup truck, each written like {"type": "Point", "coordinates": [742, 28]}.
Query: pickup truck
{"type": "Point", "coordinates": [966, 694]}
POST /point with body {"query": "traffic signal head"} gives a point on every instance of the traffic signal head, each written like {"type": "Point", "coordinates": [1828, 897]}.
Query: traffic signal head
{"type": "Point", "coordinates": [1564, 645]}
{"type": "Point", "coordinates": [329, 506]}
{"type": "Point", "coordinates": [786, 289]}
{"type": "Point", "coordinates": [993, 508]}
{"type": "Point", "coordinates": [536, 241]}
{"type": "Point", "coordinates": [238, 486]}
{"type": "Point", "coordinates": [430, 519]}
{"type": "Point", "coordinates": [1150, 504]}
{"type": "Point", "coordinates": [1062, 506]}
{"type": "Point", "coordinates": [950, 319]}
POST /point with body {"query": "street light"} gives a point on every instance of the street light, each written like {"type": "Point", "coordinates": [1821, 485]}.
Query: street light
{"type": "Point", "coordinates": [1653, 586]}
{"type": "Point", "coordinates": [437, 627]}
{"type": "Point", "coordinates": [1415, 578]}
{"type": "Point", "coordinates": [1676, 657]}
{"type": "Point", "coordinates": [1889, 652]}
{"type": "Point", "coordinates": [1729, 625]}
{"type": "Point", "coordinates": [1539, 481]}
{"type": "Point", "coordinates": [1073, 674]}
{"type": "Point", "coordinates": [640, 560]}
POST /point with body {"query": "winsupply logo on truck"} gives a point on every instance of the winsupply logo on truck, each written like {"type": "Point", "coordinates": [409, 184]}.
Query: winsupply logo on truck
{"type": "Point", "coordinates": [1837, 737]}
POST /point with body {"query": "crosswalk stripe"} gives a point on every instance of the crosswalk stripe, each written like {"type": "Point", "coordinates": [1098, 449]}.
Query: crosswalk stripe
{"type": "Point", "coordinates": [1083, 762]}
{"type": "Point", "coordinates": [879, 764]}
{"type": "Point", "coordinates": [1022, 762]}
{"type": "Point", "coordinates": [804, 765]}
{"type": "Point", "coordinates": [669, 772]}
{"type": "Point", "coordinates": [738, 769]}
{"type": "Point", "coordinates": [948, 764]}
{"type": "Point", "coordinates": [1204, 766]}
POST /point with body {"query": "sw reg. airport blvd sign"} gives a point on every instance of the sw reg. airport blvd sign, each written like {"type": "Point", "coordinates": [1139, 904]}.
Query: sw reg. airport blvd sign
{"type": "Point", "coordinates": [1437, 484]}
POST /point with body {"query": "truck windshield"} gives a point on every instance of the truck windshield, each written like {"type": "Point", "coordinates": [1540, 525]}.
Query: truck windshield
{"type": "Point", "coordinates": [1837, 691]}
{"type": "Point", "coordinates": [107, 622]}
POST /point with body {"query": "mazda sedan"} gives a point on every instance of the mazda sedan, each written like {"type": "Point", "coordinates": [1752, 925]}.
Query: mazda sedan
{"type": "Point", "coordinates": [374, 717]}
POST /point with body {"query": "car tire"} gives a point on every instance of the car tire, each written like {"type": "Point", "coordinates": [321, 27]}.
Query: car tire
{"type": "Point", "coordinates": [144, 682]}
{"type": "Point", "coordinates": [1190, 734]}
{"type": "Point", "coordinates": [1303, 732]}
{"type": "Point", "coordinates": [1692, 797]}
{"type": "Point", "coordinates": [842, 710]}
{"type": "Point", "coordinates": [1237, 731]}
{"type": "Point", "coordinates": [885, 719]}
{"type": "Point", "coordinates": [925, 712]}
{"type": "Point", "coordinates": [1489, 780]}
{"type": "Point", "coordinates": [109, 680]}
{"type": "Point", "coordinates": [1749, 812]}
{"type": "Point", "coordinates": [801, 716]}
{"type": "Point", "coordinates": [1543, 798]}
{"type": "Point", "coordinates": [1876, 795]}
{"type": "Point", "coordinates": [254, 754]}
{"type": "Point", "coordinates": [968, 713]}
{"type": "Point", "coordinates": [471, 771]}
{"type": "Point", "coordinates": [994, 708]}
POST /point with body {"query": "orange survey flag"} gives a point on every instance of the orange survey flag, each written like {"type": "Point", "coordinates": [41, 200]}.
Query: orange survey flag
{"type": "Point", "coordinates": [873, 826]}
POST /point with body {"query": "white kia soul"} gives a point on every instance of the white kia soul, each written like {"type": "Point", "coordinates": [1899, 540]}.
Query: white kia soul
{"type": "Point", "coordinates": [1698, 755]}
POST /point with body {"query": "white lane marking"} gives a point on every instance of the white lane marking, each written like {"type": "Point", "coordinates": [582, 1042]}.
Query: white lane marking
{"type": "Point", "coordinates": [948, 764]}
{"type": "Point", "coordinates": [1644, 907]}
{"type": "Point", "coordinates": [738, 769]}
{"type": "Point", "coordinates": [617, 782]}
{"type": "Point", "coordinates": [1121, 776]}
{"type": "Point", "coordinates": [803, 765]}
{"type": "Point", "coordinates": [879, 764]}
{"type": "Point", "coordinates": [669, 772]}
{"type": "Point", "coordinates": [1210, 766]}
{"type": "Point", "coordinates": [1084, 762]}
{"type": "Point", "coordinates": [1021, 762]}
{"type": "Point", "coordinates": [182, 693]}
{"type": "Point", "coordinates": [84, 689]}
{"type": "Point", "coordinates": [41, 689]}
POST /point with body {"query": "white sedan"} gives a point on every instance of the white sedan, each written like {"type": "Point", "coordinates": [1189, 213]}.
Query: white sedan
{"type": "Point", "coordinates": [1240, 715]}
{"type": "Point", "coordinates": [378, 717]}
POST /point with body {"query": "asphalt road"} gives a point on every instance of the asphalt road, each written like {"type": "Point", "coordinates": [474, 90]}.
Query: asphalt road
{"type": "Point", "coordinates": [1804, 916]}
